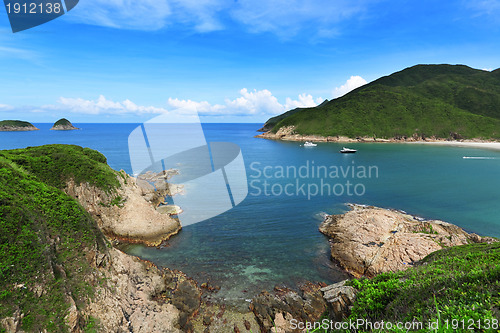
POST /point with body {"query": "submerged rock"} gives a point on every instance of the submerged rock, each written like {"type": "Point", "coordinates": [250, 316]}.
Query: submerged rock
{"type": "Point", "coordinates": [369, 240]}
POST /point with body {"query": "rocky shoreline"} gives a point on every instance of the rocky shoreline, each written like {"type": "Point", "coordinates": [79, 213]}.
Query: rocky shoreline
{"type": "Point", "coordinates": [18, 129]}
{"type": "Point", "coordinates": [138, 296]}
{"type": "Point", "coordinates": [288, 133]}
{"type": "Point", "coordinates": [368, 241]}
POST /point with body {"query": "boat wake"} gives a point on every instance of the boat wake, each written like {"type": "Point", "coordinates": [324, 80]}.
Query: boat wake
{"type": "Point", "coordinates": [479, 158]}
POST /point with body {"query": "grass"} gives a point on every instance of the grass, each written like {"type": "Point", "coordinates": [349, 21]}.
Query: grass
{"type": "Point", "coordinates": [45, 235]}
{"type": "Point", "coordinates": [55, 165]}
{"type": "Point", "coordinates": [430, 100]}
{"type": "Point", "coordinates": [452, 285]}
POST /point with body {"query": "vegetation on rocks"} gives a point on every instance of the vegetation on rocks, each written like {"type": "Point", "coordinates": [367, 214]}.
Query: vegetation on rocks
{"type": "Point", "coordinates": [55, 165]}
{"type": "Point", "coordinates": [443, 101]}
{"type": "Point", "coordinates": [15, 123]}
{"type": "Point", "coordinates": [44, 236]}
{"type": "Point", "coordinates": [458, 287]}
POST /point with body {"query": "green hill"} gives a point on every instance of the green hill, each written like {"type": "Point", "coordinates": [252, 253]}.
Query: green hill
{"type": "Point", "coordinates": [45, 235]}
{"type": "Point", "coordinates": [428, 100]}
{"type": "Point", "coordinates": [274, 120]}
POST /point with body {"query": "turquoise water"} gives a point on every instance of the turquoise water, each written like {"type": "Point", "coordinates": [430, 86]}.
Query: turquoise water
{"type": "Point", "coordinates": [274, 239]}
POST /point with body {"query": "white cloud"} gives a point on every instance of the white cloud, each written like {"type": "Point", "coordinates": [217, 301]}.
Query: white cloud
{"type": "Point", "coordinates": [351, 84]}
{"type": "Point", "coordinates": [102, 106]}
{"type": "Point", "coordinates": [487, 69]}
{"type": "Point", "coordinates": [127, 14]}
{"type": "Point", "coordinates": [282, 17]}
{"type": "Point", "coordinates": [484, 7]}
{"type": "Point", "coordinates": [150, 14]}
{"type": "Point", "coordinates": [250, 103]}
{"type": "Point", "coordinates": [305, 101]}
{"type": "Point", "coordinates": [5, 107]}
{"type": "Point", "coordinates": [287, 17]}
{"type": "Point", "coordinates": [255, 102]}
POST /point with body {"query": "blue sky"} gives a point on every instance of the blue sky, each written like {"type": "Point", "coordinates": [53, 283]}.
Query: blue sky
{"type": "Point", "coordinates": [232, 61]}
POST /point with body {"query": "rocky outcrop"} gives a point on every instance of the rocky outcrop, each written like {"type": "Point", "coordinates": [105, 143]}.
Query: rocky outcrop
{"type": "Point", "coordinates": [367, 240]}
{"type": "Point", "coordinates": [126, 297]}
{"type": "Point", "coordinates": [129, 214]}
{"type": "Point", "coordinates": [288, 133]}
{"type": "Point", "coordinates": [276, 311]}
{"type": "Point", "coordinates": [63, 125]}
{"type": "Point", "coordinates": [340, 299]}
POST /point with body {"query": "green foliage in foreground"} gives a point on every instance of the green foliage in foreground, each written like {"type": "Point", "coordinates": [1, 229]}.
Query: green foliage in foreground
{"type": "Point", "coordinates": [44, 237]}
{"type": "Point", "coordinates": [458, 287]}
{"type": "Point", "coordinates": [55, 165]}
{"type": "Point", "coordinates": [15, 123]}
{"type": "Point", "coordinates": [428, 100]}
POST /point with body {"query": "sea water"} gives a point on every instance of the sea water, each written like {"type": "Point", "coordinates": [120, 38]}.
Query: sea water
{"type": "Point", "coordinates": [272, 237]}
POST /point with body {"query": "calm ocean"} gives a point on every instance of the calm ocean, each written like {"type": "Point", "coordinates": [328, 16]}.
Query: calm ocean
{"type": "Point", "coordinates": [272, 236]}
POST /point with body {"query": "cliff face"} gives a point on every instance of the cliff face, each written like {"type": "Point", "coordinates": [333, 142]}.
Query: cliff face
{"type": "Point", "coordinates": [126, 215]}
{"type": "Point", "coordinates": [368, 241]}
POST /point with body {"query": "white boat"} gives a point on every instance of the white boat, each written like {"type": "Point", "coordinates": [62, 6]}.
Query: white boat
{"type": "Point", "coordinates": [348, 150]}
{"type": "Point", "coordinates": [309, 144]}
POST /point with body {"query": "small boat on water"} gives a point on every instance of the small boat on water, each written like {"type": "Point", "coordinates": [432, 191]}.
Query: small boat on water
{"type": "Point", "coordinates": [348, 150]}
{"type": "Point", "coordinates": [309, 144]}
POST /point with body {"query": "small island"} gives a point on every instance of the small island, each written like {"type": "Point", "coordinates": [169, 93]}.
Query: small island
{"type": "Point", "coordinates": [63, 124]}
{"type": "Point", "coordinates": [16, 125]}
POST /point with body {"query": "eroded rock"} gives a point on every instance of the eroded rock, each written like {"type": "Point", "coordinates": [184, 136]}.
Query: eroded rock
{"type": "Point", "coordinates": [275, 312]}
{"type": "Point", "coordinates": [367, 241]}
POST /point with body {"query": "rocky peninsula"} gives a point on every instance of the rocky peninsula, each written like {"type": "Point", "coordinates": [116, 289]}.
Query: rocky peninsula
{"type": "Point", "coordinates": [133, 214]}
{"type": "Point", "coordinates": [288, 133]}
{"type": "Point", "coordinates": [63, 124]}
{"type": "Point", "coordinates": [16, 126]}
{"type": "Point", "coordinates": [367, 240]}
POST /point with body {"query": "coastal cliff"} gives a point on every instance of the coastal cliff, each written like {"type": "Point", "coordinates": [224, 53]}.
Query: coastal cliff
{"type": "Point", "coordinates": [16, 126]}
{"type": "Point", "coordinates": [289, 133]}
{"type": "Point", "coordinates": [126, 214]}
{"type": "Point", "coordinates": [368, 241]}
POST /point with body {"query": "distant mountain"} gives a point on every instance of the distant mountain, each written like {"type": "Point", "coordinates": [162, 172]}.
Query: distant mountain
{"type": "Point", "coordinates": [423, 100]}
{"type": "Point", "coordinates": [16, 125]}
